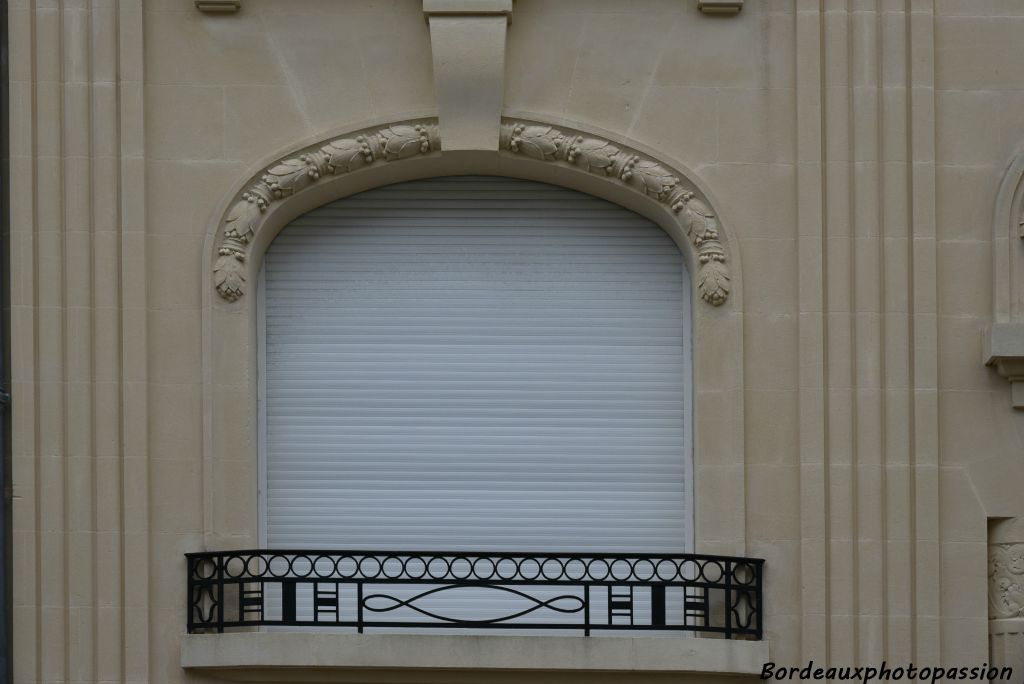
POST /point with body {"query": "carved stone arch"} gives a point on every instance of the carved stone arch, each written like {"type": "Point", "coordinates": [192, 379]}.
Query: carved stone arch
{"type": "Point", "coordinates": [315, 166]}
{"type": "Point", "coordinates": [595, 162]}
{"type": "Point", "coordinates": [1008, 246]}
{"type": "Point", "coordinates": [1004, 341]}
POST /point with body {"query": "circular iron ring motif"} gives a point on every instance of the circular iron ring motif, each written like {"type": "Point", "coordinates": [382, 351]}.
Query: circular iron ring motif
{"type": "Point", "coordinates": [621, 566]}
{"type": "Point", "coordinates": [743, 573]}
{"type": "Point", "coordinates": [355, 567]}
{"type": "Point", "coordinates": [689, 570]}
{"type": "Point", "coordinates": [536, 565]}
{"type": "Point", "coordinates": [254, 566]}
{"type": "Point", "coordinates": [295, 562]}
{"type": "Point", "coordinates": [461, 568]}
{"type": "Point", "coordinates": [370, 575]}
{"type": "Point", "coordinates": [712, 576]}
{"type": "Point", "coordinates": [199, 563]}
{"type": "Point", "coordinates": [480, 575]}
{"type": "Point", "coordinates": [666, 570]}
{"type": "Point", "coordinates": [422, 567]}
{"type": "Point", "coordinates": [507, 565]}
{"type": "Point", "coordinates": [270, 565]}
{"type": "Point", "coordinates": [590, 569]}
{"type": "Point", "coordinates": [648, 572]}
{"type": "Point", "coordinates": [388, 561]}
{"type": "Point", "coordinates": [574, 565]}
{"type": "Point", "coordinates": [559, 574]}
{"type": "Point", "coordinates": [332, 569]}
{"type": "Point", "coordinates": [447, 567]}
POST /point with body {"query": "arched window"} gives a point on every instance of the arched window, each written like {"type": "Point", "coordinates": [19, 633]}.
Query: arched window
{"type": "Point", "coordinates": [475, 364]}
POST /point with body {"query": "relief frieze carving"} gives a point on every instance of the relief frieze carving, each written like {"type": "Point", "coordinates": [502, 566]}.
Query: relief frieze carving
{"type": "Point", "coordinates": [560, 145]}
{"type": "Point", "coordinates": [294, 174]}
{"type": "Point", "coordinates": [1006, 581]}
{"type": "Point", "coordinates": [602, 157]}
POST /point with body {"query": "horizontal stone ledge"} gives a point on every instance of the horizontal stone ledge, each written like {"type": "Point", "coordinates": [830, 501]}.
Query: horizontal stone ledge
{"type": "Point", "coordinates": [465, 7]}
{"type": "Point", "coordinates": [1003, 349]}
{"type": "Point", "coordinates": [1006, 626]}
{"type": "Point", "coordinates": [324, 656]}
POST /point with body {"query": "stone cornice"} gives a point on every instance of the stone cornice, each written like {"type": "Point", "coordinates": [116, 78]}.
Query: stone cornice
{"type": "Point", "coordinates": [641, 173]}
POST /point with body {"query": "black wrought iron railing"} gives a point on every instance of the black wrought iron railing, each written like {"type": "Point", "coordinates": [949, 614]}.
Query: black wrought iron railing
{"type": "Point", "coordinates": [720, 595]}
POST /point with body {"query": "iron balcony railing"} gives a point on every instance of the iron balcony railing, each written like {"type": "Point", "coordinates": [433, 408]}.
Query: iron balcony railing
{"type": "Point", "coordinates": [720, 595]}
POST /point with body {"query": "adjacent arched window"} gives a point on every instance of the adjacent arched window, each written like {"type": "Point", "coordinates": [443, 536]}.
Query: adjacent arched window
{"type": "Point", "coordinates": [473, 364]}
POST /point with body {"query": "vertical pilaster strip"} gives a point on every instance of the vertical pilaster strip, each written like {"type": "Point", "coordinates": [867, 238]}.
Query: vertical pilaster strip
{"type": "Point", "coordinates": [51, 412]}
{"type": "Point", "coordinates": [25, 475]}
{"type": "Point", "coordinates": [925, 451]}
{"type": "Point", "coordinates": [814, 503]}
{"type": "Point", "coordinates": [895, 228]}
{"type": "Point", "coordinates": [135, 471]}
{"type": "Point", "coordinates": [106, 302]}
{"type": "Point", "coordinates": [134, 371]}
{"type": "Point", "coordinates": [869, 360]}
{"type": "Point", "coordinates": [868, 406]}
{"type": "Point", "coordinates": [840, 354]}
{"type": "Point", "coordinates": [79, 474]}
{"type": "Point", "coordinates": [66, 290]}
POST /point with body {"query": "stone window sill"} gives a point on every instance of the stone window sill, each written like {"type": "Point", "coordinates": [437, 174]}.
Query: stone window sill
{"type": "Point", "coordinates": [319, 656]}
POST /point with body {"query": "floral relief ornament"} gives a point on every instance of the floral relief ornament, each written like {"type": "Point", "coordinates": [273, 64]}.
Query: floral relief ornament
{"type": "Point", "coordinates": [402, 141]}
{"type": "Point", "coordinates": [1006, 580]}
{"type": "Point", "coordinates": [601, 157]}
{"type": "Point", "coordinates": [290, 176]}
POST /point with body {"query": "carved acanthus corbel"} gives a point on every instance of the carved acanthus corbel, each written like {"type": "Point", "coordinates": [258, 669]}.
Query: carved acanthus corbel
{"type": "Point", "coordinates": [294, 174]}
{"type": "Point", "coordinates": [602, 157]}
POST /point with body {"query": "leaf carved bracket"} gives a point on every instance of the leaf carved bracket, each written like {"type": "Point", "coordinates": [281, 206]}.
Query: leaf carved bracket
{"type": "Point", "coordinates": [602, 157]}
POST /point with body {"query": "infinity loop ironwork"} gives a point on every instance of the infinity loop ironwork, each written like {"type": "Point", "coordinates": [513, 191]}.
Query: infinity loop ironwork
{"type": "Point", "coordinates": [420, 590]}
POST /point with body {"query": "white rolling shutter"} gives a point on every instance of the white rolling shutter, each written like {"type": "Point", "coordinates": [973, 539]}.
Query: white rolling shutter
{"type": "Point", "coordinates": [476, 364]}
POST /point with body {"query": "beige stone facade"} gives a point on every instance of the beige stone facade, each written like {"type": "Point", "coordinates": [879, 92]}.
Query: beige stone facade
{"type": "Point", "coordinates": [864, 262]}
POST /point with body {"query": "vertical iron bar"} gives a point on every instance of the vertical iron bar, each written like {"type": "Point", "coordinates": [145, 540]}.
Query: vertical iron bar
{"type": "Point", "coordinates": [288, 601]}
{"type": "Point", "coordinates": [241, 601]}
{"type": "Point", "coordinates": [586, 610]}
{"type": "Point", "coordinates": [728, 599]}
{"type": "Point", "coordinates": [658, 605]}
{"type": "Point", "coordinates": [359, 606]}
{"type": "Point", "coordinates": [757, 593]}
{"type": "Point", "coordinates": [220, 593]}
{"type": "Point", "coordinates": [189, 583]}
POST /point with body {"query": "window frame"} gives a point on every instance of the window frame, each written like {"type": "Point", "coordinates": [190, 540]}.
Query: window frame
{"type": "Point", "coordinates": [228, 350]}
{"type": "Point", "coordinates": [688, 455]}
